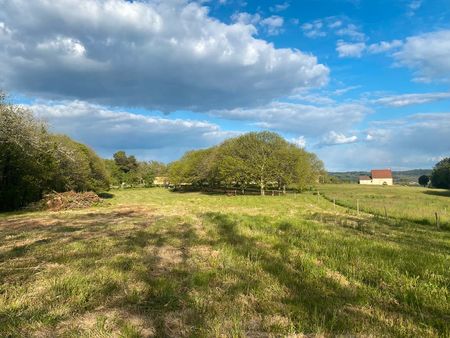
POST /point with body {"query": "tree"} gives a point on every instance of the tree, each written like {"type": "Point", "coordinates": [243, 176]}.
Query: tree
{"type": "Point", "coordinates": [124, 162]}
{"type": "Point", "coordinates": [423, 180]}
{"type": "Point", "coordinates": [33, 161]}
{"type": "Point", "coordinates": [263, 159]}
{"type": "Point", "coordinates": [440, 176]}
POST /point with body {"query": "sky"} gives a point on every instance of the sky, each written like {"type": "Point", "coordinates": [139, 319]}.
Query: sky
{"type": "Point", "coordinates": [362, 83]}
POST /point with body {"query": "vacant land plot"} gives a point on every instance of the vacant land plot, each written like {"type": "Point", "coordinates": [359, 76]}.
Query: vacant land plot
{"type": "Point", "coordinates": [155, 263]}
{"type": "Point", "coordinates": [403, 203]}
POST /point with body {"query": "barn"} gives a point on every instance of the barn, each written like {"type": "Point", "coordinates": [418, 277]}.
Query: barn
{"type": "Point", "coordinates": [378, 177]}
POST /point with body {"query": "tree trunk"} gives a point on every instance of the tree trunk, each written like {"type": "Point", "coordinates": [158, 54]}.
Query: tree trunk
{"type": "Point", "coordinates": [262, 188]}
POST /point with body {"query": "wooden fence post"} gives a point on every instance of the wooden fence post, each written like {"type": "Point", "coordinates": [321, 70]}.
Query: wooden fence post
{"type": "Point", "coordinates": [357, 206]}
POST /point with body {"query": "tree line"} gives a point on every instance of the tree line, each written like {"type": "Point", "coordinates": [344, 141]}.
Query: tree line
{"type": "Point", "coordinates": [34, 161]}
{"type": "Point", "coordinates": [258, 159]}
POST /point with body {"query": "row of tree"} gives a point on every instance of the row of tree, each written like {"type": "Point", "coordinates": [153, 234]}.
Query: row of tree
{"type": "Point", "coordinates": [262, 159]}
{"type": "Point", "coordinates": [34, 161]}
{"type": "Point", "coordinates": [440, 176]}
{"type": "Point", "coordinates": [126, 170]}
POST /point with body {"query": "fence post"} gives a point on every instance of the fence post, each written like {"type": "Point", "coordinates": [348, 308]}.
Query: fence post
{"type": "Point", "coordinates": [437, 219]}
{"type": "Point", "coordinates": [357, 206]}
{"type": "Point", "coordinates": [385, 212]}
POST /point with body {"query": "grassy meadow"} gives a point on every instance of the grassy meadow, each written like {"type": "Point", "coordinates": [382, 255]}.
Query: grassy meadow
{"type": "Point", "coordinates": [399, 202]}
{"type": "Point", "coordinates": [154, 263]}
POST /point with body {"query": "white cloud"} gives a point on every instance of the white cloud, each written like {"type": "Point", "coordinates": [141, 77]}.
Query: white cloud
{"type": "Point", "coordinates": [428, 55]}
{"type": "Point", "coordinates": [351, 31]}
{"type": "Point", "coordinates": [313, 29]}
{"type": "Point", "coordinates": [412, 99]}
{"type": "Point", "coordinates": [108, 130]}
{"type": "Point", "coordinates": [346, 49]}
{"type": "Point", "coordinates": [280, 7]}
{"type": "Point", "coordinates": [300, 119]}
{"type": "Point", "coordinates": [413, 6]}
{"type": "Point", "coordinates": [334, 138]}
{"type": "Point", "coordinates": [273, 24]}
{"type": "Point", "coordinates": [246, 18]}
{"type": "Point", "coordinates": [299, 141]}
{"type": "Point", "coordinates": [384, 46]}
{"type": "Point", "coordinates": [165, 55]}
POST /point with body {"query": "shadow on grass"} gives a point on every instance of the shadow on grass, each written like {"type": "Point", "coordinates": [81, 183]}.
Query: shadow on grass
{"type": "Point", "coordinates": [318, 297]}
{"type": "Point", "coordinates": [105, 195]}
{"type": "Point", "coordinates": [321, 300]}
{"type": "Point", "coordinates": [443, 193]}
{"type": "Point", "coordinates": [78, 246]}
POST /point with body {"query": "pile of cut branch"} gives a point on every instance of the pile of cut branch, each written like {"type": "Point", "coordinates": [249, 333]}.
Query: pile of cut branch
{"type": "Point", "coordinates": [67, 201]}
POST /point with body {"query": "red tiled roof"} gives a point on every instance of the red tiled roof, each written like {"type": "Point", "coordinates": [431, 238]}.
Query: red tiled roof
{"type": "Point", "coordinates": [381, 173]}
{"type": "Point", "coordinates": [364, 178]}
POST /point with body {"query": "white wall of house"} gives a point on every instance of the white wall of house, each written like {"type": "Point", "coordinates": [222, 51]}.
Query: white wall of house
{"type": "Point", "coordinates": [381, 181]}
{"type": "Point", "coordinates": [378, 181]}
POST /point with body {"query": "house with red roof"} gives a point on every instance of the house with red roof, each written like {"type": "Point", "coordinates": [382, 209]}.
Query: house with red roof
{"type": "Point", "coordinates": [378, 177]}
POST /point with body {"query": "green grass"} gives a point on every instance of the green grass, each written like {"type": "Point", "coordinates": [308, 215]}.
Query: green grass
{"type": "Point", "coordinates": [155, 263]}
{"type": "Point", "coordinates": [402, 203]}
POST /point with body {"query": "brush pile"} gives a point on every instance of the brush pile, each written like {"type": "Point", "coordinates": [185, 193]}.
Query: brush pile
{"type": "Point", "coordinates": [67, 201]}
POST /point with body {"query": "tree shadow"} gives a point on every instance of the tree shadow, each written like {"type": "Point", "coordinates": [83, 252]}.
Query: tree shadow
{"type": "Point", "coordinates": [443, 193]}
{"type": "Point", "coordinates": [320, 301]}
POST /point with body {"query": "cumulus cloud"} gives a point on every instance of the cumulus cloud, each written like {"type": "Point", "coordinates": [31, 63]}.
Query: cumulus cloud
{"type": "Point", "coordinates": [334, 138]}
{"type": "Point", "coordinates": [164, 55]}
{"type": "Point", "coordinates": [107, 130]}
{"type": "Point", "coordinates": [347, 49]}
{"type": "Point", "coordinates": [428, 55]}
{"type": "Point", "coordinates": [300, 119]}
{"type": "Point", "coordinates": [412, 99]}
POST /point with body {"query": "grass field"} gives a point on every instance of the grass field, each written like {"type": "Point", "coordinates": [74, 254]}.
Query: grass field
{"type": "Point", "coordinates": [156, 263]}
{"type": "Point", "coordinates": [402, 203]}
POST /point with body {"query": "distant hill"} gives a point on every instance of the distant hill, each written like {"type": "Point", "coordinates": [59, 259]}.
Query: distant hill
{"type": "Point", "coordinates": [400, 177]}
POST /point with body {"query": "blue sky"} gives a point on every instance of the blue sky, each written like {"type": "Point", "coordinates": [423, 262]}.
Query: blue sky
{"type": "Point", "coordinates": [362, 83]}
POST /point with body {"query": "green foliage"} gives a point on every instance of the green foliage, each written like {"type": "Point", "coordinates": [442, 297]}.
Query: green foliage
{"type": "Point", "coordinates": [33, 161]}
{"type": "Point", "coordinates": [440, 176]}
{"type": "Point", "coordinates": [261, 159]}
{"type": "Point", "coordinates": [127, 171]}
{"type": "Point", "coordinates": [423, 180]}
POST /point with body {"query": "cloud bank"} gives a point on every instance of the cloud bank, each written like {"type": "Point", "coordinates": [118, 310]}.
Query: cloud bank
{"type": "Point", "coordinates": [165, 55]}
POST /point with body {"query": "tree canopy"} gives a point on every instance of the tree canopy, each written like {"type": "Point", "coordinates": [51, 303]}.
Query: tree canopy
{"type": "Point", "coordinates": [440, 176]}
{"type": "Point", "coordinates": [423, 180]}
{"type": "Point", "coordinates": [262, 159]}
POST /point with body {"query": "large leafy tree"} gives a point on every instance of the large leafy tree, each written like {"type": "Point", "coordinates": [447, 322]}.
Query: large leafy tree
{"type": "Point", "coordinates": [263, 159]}
{"type": "Point", "coordinates": [440, 176]}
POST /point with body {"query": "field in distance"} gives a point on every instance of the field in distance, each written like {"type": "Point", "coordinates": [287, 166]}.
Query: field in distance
{"type": "Point", "coordinates": [154, 263]}
{"type": "Point", "coordinates": [420, 205]}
